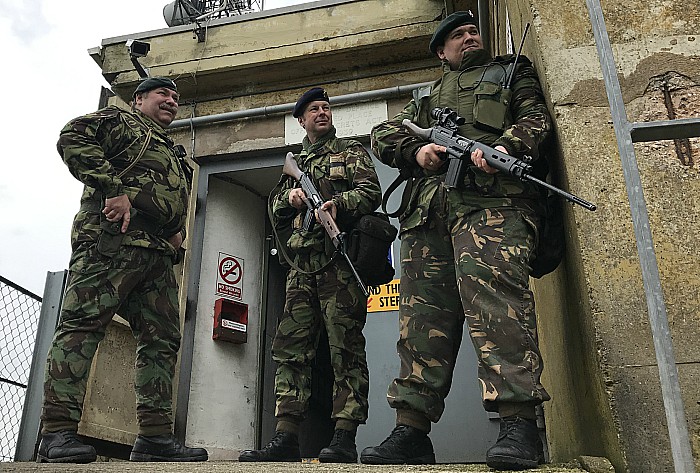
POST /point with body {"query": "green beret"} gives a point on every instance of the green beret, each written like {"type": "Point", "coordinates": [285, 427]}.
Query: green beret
{"type": "Point", "coordinates": [309, 96]}
{"type": "Point", "coordinates": [448, 24]}
{"type": "Point", "coordinates": [154, 83]}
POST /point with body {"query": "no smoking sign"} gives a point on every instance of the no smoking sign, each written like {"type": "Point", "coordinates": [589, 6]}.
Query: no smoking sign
{"type": "Point", "coordinates": [229, 276]}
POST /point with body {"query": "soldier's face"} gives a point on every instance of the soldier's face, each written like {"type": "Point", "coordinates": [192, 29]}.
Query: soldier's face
{"type": "Point", "coordinates": [316, 119]}
{"type": "Point", "coordinates": [460, 40]}
{"type": "Point", "coordinates": [159, 104]}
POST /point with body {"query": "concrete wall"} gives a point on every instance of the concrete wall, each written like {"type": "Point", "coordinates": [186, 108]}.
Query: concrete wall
{"type": "Point", "coordinates": [595, 304]}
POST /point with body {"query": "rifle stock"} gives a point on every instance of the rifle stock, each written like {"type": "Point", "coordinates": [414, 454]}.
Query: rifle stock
{"type": "Point", "coordinates": [314, 202]}
{"type": "Point", "coordinates": [459, 149]}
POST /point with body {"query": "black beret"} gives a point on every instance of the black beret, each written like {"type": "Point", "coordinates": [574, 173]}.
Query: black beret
{"type": "Point", "coordinates": [155, 83]}
{"type": "Point", "coordinates": [454, 20]}
{"type": "Point", "coordinates": [311, 95]}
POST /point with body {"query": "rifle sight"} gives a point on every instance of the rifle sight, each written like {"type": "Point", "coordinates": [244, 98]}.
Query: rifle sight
{"type": "Point", "coordinates": [447, 117]}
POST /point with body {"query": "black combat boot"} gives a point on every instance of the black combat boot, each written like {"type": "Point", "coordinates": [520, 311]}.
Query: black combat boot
{"type": "Point", "coordinates": [405, 445]}
{"type": "Point", "coordinates": [164, 448]}
{"type": "Point", "coordinates": [342, 448]}
{"type": "Point", "coordinates": [284, 447]}
{"type": "Point", "coordinates": [64, 447]}
{"type": "Point", "coordinates": [518, 446]}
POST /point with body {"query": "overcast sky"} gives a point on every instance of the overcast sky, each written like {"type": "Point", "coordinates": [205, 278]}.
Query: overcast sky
{"type": "Point", "coordinates": [49, 79]}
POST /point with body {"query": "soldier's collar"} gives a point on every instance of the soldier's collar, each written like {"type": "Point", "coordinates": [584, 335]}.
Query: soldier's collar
{"type": "Point", "coordinates": [479, 57]}
{"type": "Point", "coordinates": [320, 143]}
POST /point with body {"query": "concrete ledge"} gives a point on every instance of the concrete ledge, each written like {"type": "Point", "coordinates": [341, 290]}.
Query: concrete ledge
{"type": "Point", "coordinates": [236, 467]}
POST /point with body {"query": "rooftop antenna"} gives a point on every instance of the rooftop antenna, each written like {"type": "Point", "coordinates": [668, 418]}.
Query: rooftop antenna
{"type": "Point", "coordinates": [185, 12]}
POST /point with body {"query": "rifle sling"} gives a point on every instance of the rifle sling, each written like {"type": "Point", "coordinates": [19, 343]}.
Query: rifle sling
{"type": "Point", "coordinates": [404, 175]}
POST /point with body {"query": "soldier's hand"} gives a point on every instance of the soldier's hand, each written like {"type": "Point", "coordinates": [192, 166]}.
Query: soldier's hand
{"type": "Point", "coordinates": [480, 162]}
{"type": "Point", "coordinates": [118, 208]}
{"type": "Point", "coordinates": [328, 206]}
{"type": "Point", "coordinates": [176, 240]}
{"type": "Point", "coordinates": [297, 198]}
{"type": "Point", "coordinates": [428, 156]}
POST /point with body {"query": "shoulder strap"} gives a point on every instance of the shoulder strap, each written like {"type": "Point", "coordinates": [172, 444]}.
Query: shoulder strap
{"type": "Point", "coordinates": [146, 142]}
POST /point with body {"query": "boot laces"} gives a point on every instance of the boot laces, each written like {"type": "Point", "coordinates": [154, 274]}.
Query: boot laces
{"type": "Point", "coordinates": [397, 435]}
{"type": "Point", "coordinates": [276, 440]}
{"type": "Point", "coordinates": [340, 437]}
{"type": "Point", "coordinates": [70, 439]}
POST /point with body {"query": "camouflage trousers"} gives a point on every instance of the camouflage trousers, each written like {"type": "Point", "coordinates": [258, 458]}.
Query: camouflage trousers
{"type": "Point", "coordinates": [331, 298]}
{"type": "Point", "coordinates": [467, 262]}
{"type": "Point", "coordinates": [140, 285]}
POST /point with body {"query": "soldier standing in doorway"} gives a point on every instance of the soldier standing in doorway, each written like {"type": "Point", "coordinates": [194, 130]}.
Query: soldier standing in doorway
{"type": "Point", "coordinates": [321, 291]}
{"type": "Point", "coordinates": [466, 252]}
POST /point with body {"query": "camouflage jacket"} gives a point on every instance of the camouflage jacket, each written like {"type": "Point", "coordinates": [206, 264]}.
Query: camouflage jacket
{"type": "Point", "coordinates": [342, 171]}
{"type": "Point", "coordinates": [100, 146]}
{"type": "Point", "coordinates": [478, 83]}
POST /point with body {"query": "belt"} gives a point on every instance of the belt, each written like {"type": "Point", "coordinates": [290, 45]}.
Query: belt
{"type": "Point", "coordinates": [139, 220]}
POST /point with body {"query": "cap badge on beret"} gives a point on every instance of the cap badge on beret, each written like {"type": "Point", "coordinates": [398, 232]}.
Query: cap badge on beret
{"type": "Point", "coordinates": [451, 22]}
{"type": "Point", "coordinates": [311, 95]}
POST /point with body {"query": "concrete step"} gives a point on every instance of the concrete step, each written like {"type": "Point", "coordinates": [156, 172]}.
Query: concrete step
{"type": "Point", "coordinates": [304, 467]}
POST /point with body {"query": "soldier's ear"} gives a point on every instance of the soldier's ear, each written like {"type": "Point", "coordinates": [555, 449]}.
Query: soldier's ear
{"type": "Point", "coordinates": [301, 122]}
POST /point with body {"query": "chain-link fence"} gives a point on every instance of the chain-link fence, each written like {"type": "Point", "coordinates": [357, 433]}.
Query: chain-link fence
{"type": "Point", "coordinates": [19, 317]}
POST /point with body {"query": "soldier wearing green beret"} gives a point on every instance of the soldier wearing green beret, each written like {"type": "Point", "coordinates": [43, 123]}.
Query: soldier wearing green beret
{"type": "Point", "coordinates": [126, 238]}
{"type": "Point", "coordinates": [321, 292]}
{"type": "Point", "coordinates": [466, 252]}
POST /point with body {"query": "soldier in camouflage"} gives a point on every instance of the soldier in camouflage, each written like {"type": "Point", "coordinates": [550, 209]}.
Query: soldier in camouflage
{"type": "Point", "coordinates": [466, 252]}
{"type": "Point", "coordinates": [125, 239]}
{"type": "Point", "coordinates": [321, 291]}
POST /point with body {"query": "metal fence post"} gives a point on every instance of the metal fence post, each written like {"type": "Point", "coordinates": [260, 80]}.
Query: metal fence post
{"type": "Point", "coordinates": [50, 308]}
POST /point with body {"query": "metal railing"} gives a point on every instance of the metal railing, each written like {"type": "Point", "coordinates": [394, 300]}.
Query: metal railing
{"type": "Point", "coordinates": [19, 316]}
{"type": "Point", "coordinates": [628, 133]}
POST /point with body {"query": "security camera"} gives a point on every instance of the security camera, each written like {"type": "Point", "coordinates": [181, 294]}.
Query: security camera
{"type": "Point", "coordinates": [137, 48]}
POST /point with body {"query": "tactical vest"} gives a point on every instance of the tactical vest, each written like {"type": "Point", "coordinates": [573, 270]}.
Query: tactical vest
{"type": "Point", "coordinates": [480, 95]}
{"type": "Point", "coordinates": [330, 179]}
{"type": "Point", "coordinates": [477, 94]}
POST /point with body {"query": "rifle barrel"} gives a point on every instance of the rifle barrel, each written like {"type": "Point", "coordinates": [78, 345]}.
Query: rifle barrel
{"type": "Point", "coordinates": [570, 197]}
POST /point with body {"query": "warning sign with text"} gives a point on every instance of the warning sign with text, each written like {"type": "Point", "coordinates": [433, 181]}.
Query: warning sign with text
{"type": "Point", "coordinates": [229, 276]}
{"type": "Point", "coordinates": [384, 298]}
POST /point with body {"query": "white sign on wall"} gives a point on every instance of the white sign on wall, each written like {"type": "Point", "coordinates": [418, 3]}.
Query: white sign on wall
{"type": "Point", "coordinates": [349, 120]}
{"type": "Point", "coordinates": [229, 276]}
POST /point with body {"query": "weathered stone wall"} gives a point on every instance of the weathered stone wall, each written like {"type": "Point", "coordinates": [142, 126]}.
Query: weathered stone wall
{"type": "Point", "coordinates": [611, 403]}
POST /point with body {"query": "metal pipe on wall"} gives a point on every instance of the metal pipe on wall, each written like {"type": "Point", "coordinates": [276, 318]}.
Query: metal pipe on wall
{"type": "Point", "coordinates": [365, 96]}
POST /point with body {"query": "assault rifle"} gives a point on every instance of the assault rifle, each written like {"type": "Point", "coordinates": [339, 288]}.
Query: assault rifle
{"type": "Point", "coordinates": [459, 149]}
{"type": "Point", "coordinates": [314, 202]}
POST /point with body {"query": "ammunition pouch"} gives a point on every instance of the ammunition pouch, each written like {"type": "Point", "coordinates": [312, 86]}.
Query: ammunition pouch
{"type": "Point", "coordinates": [110, 238]}
{"type": "Point", "coordinates": [139, 220]}
{"type": "Point", "coordinates": [491, 107]}
{"type": "Point", "coordinates": [368, 246]}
